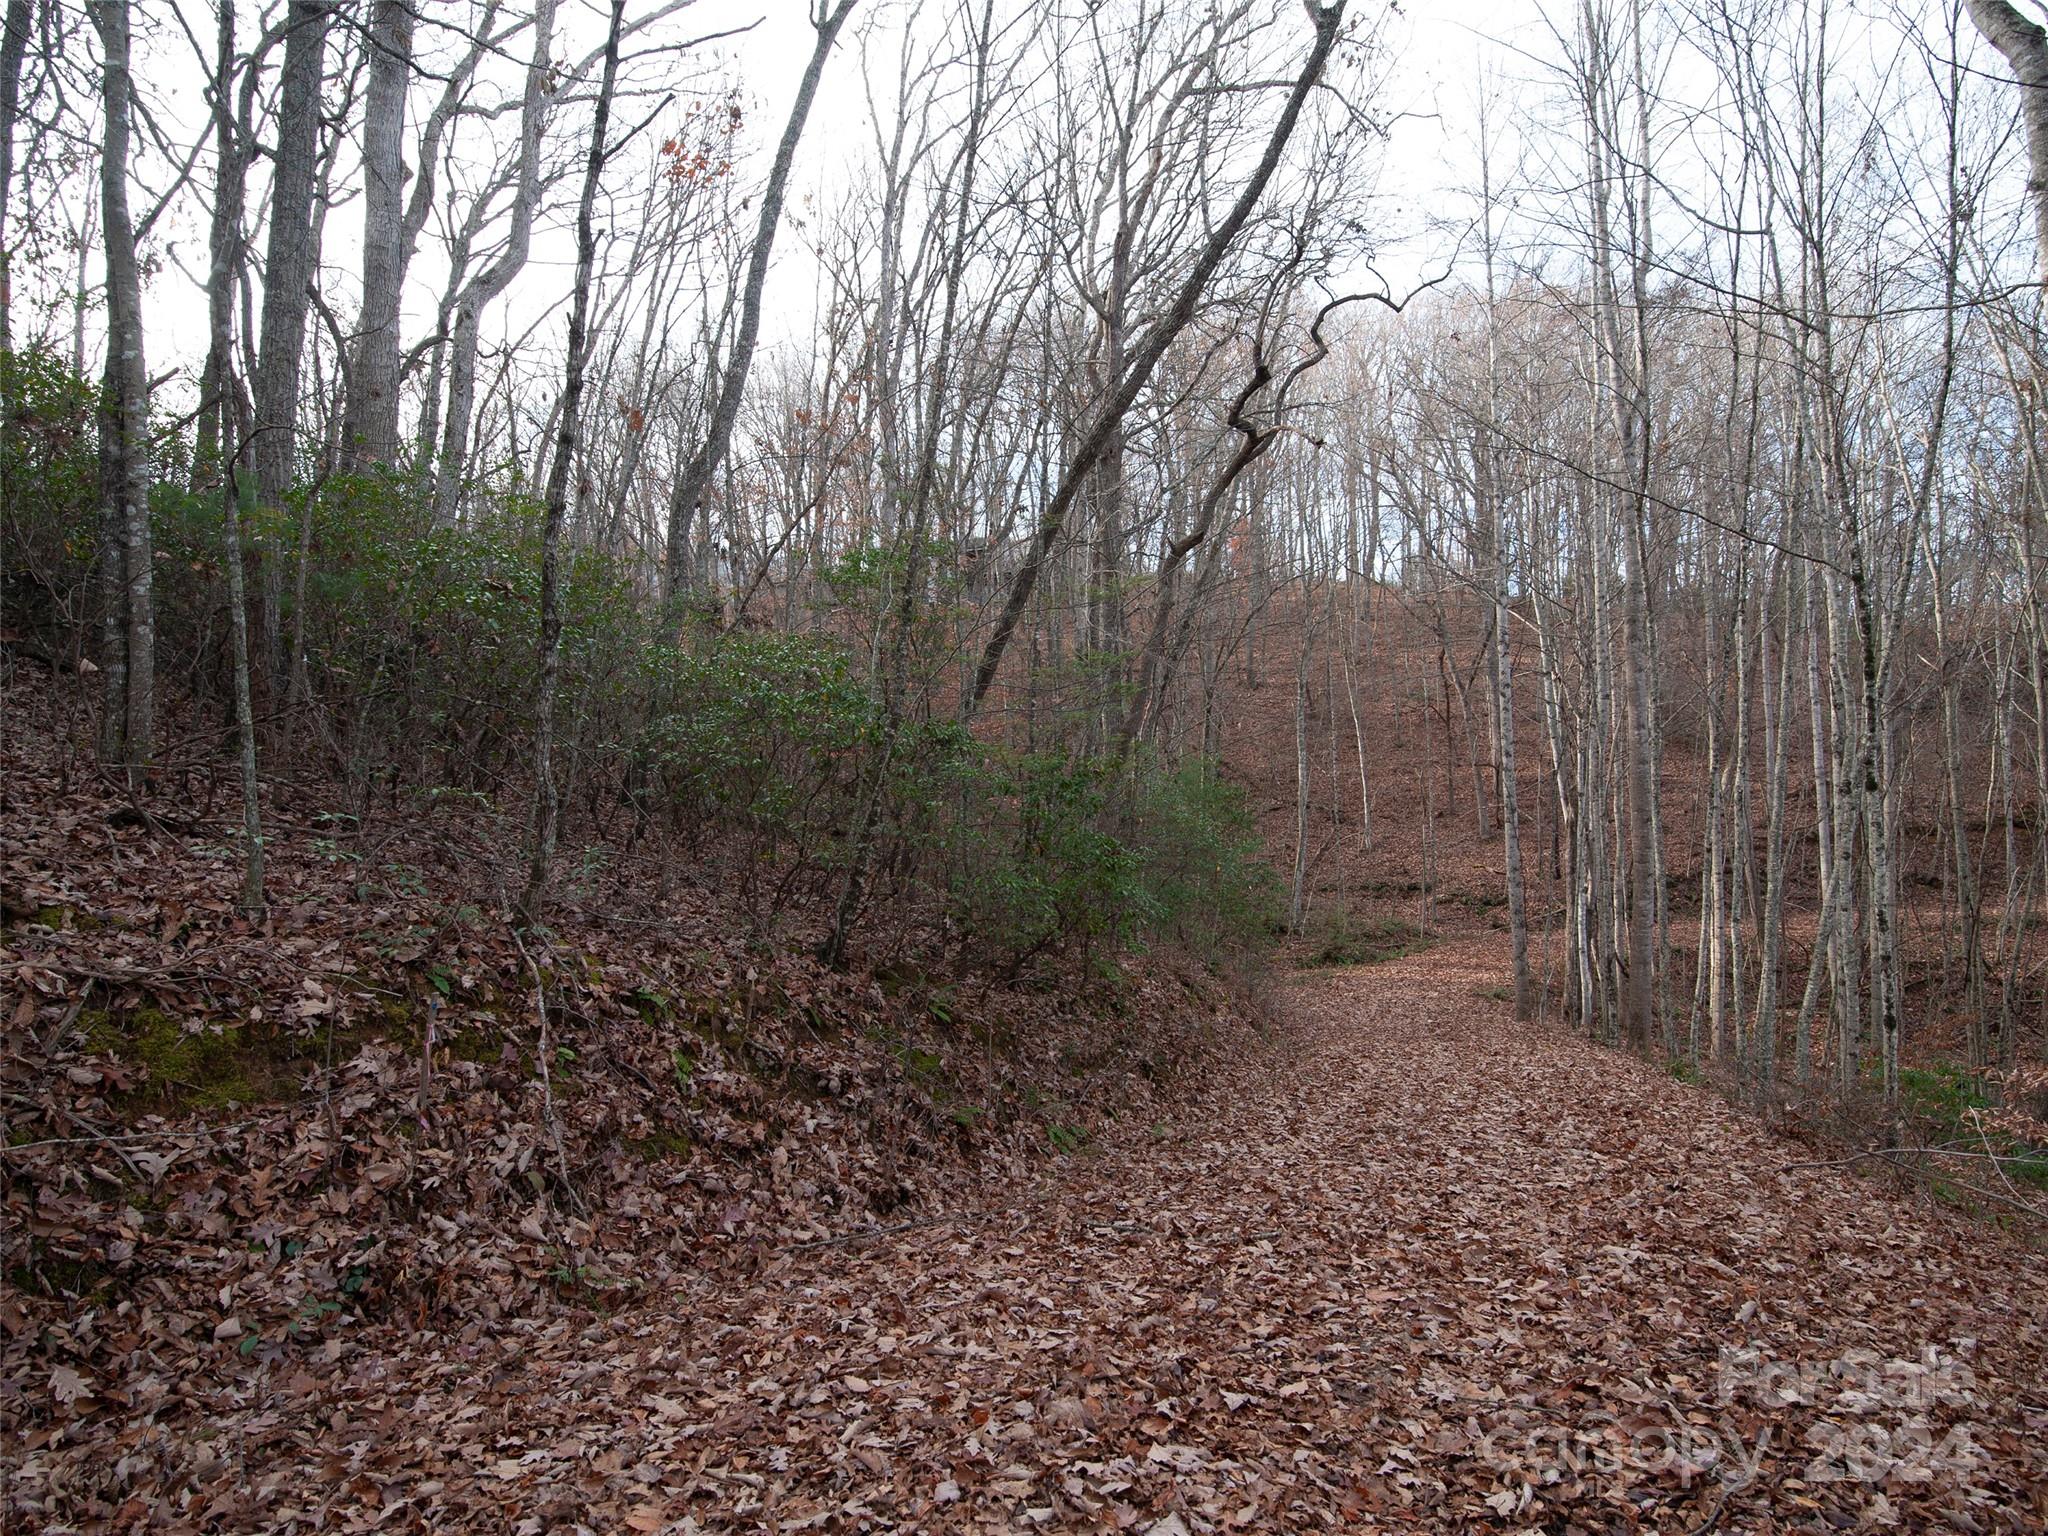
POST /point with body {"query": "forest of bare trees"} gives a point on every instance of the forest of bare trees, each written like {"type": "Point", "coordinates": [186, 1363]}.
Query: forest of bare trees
{"type": "Point", "coordinates": [976, 765]}
{"type": "Point", "coordinates": [912, 486]}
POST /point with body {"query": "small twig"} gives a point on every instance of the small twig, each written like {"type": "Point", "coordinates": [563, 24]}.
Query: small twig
{"type": "Point", "coordinates": [56, 1035]}
{"type": "Point", "coordinates": [1997, 1162]}
{"type": "Point", "coordinates": [427, 1041]}
{"type": "Point", "coordinates": [98, 1137]}
{"type": "Point", "coordinates": [1714, 1516]}
{"type": "Point", "coordinates": [547, 1084]}
{"type": "Point", "coordinates": [1896, 1152]}
{"type": "Point", "coordinates": [166, 975]}
{"type": "Point", "coordinates": [1894, 1156]}
{"type": "Point", "coordinates": [864, 1233]}
{"type": "Point", "coordinates": [162, 825]}
{"type": "Point", "coordinates": [327, 1085]}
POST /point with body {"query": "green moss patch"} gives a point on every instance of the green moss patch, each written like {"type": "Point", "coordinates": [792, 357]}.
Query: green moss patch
{"type": "Point", "coordinates": [207, 1064]}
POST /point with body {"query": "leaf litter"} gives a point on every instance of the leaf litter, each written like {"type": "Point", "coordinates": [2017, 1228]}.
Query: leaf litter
{"type": "Point", "coordinates": [1397, 1264]}
{"type": "Point", "coordinates": [1409, 1266]}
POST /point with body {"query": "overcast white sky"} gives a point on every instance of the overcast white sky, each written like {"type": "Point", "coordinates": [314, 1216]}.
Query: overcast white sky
{"type": "Point", "coordinates": [1440, 59]}
{"type": "Point", "coordinates": [1441, 50]}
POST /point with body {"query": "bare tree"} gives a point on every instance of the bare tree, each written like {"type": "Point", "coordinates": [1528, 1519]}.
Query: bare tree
{"type": "Point", "coordinates": [14, 35]}
{"type": "Point", "coordinates": [696, 476]}
{"type": "Point", "coordinates": [1107, 419]}
{"type": "Point", "coordinates": [288, 270]}
{"type": "Point", "coordinates": [128, 645]}
{"type": "Point", "coordinates": [369, 425]}
{"type": "Point", "coordinates": [546, 795]}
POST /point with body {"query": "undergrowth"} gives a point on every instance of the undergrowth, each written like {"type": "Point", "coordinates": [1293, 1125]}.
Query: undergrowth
{"type": "Point", "coordinates": [1343, 939]}
{"type": "Point", "coordinates": [399, 658]}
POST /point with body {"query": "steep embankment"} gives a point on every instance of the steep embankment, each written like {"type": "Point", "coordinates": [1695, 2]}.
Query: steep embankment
{"type": "Point", "coordinates": [242, 1156]}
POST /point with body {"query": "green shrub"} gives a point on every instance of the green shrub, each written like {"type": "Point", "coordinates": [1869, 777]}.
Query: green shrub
{"type": "Point", "coordinates": [767, 739]}
{"type": "Point", "coordinates": [432, 636]}
{"type": "Point", "coordinates": [49, 498]}
{"type": "Point", "coordinates": [1946, 1098]}
{"type": "Point", "coordinates": [1035, 869]}
{"type": "Point", "coordinates": [1209, 883]}
{"type": "Point", "coordinates": [1052, 854]}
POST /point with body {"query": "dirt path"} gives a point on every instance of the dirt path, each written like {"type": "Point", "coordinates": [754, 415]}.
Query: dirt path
{"type": "Point", "coordinates": [1420, 1270]}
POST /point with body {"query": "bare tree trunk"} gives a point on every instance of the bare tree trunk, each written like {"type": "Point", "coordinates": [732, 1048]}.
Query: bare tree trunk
{"type": "Point", "coordinates": [1511, 811]}
{"type": "Point", "coordinates": [1739, 829]}
{"type": "Point", "coordinates": [1297, 906]}
{"type": "Point", "coordinates": [14, 32]}
{"type": "Point", "coordinates": [1358, 743]}
{"type": "Point", "coordinates": [290, 257]}
{"type": "Point", "coordinates": [369, 427]}
{"type": "Point", "coordinates": [287, 275]}
{"type": "Point", "coordinates": [546, 801]}
{"type": "Point", "coordinates": [219, 402]}
{"type": "Point", "coordinates": [1625, 365]}
{"type": "Point", "coordinates": [1845, 966]}
{"type": "Point", "coordinates": [128, 727]}
{"type": "Point", "coordinates": [1777, 752]}
{"type": "Point", "coordinates": [1562, 758]}
{"type": "Point", "coordinates": [1642, 792]}
{"type": "Point", "coordinates": [1500, 649]}
{"type": "Point", "coordinates": [1824, 835]}
{"type": "Point", "coordinates": [480, 290]}
{"type": "Point", "coordinates": [2011, 920]}
{"type": "Point", "coordinates": [1601, 797]}
{"type": "Point", "coordinates": [1869, 787]}
{"type": "Point", "coordinates": [695, 480]}
{"type": "Point", "coordinates": [224, 255]}
{"type": "Point", "coordinates": [252, 899]}
{"type": "Point", "coordinates": [1708, 994]}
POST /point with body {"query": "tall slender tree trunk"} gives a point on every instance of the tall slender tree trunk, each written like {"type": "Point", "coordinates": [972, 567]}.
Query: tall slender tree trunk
{"type": "Point", "coordinates": [1644, 903]}
{"type": "Point", "coordinates": [1770, 958]}
{"type": "Point", "coordinates": [223, 412]}
{"type": "Point", "coordinates": [129, 649]}
{"type": "Point", "coordinates": [1297, 905]}
{"type": "Point", "coordinates": [1845, 966]}
{"type": "Point", "coordinates": [369, 428]}
{"type": "Point", "coordinates": [1511, 813]}
{"type": "Point", "coordinates": [219, 400]}
{"type": "Point", "coordinates": [476, 294]}
{"type": "Point", "coordinates": [14, 34]}
{"type": "Point", "coordinates": [252, 897]}
{"type": "Point", "coordinates": [287, 277]}
{"type": "Point", "coordinates": [1500, 649]}
{"type": "Point", "coordinates": [1708, 991]}
{"type": "Point", "coordinates": [1562, 754]}
{"type": "Point", "coordinates": [546, 798]}
{"type": "Point", "coordinates": [694, 483]}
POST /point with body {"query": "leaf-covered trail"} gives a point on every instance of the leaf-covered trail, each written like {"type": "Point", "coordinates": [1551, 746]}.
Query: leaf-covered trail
{"type": "Point", "coordinates": [1419, 1269]}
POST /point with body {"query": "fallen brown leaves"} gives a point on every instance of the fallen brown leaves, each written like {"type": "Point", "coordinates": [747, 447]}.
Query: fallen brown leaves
{"type": "Point", "coordinates": [1418, 1269]}
{"type": "Point", "coordinates": [1404, 1266]}
{"type": "Point", "coordinates": [256, 1176]}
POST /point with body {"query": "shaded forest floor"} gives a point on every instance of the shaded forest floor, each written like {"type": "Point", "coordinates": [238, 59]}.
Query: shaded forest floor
{"type": "Point", "coordinates": [915, 1247]}
{"type": "Point", "coordinates": [1408, 1266]}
